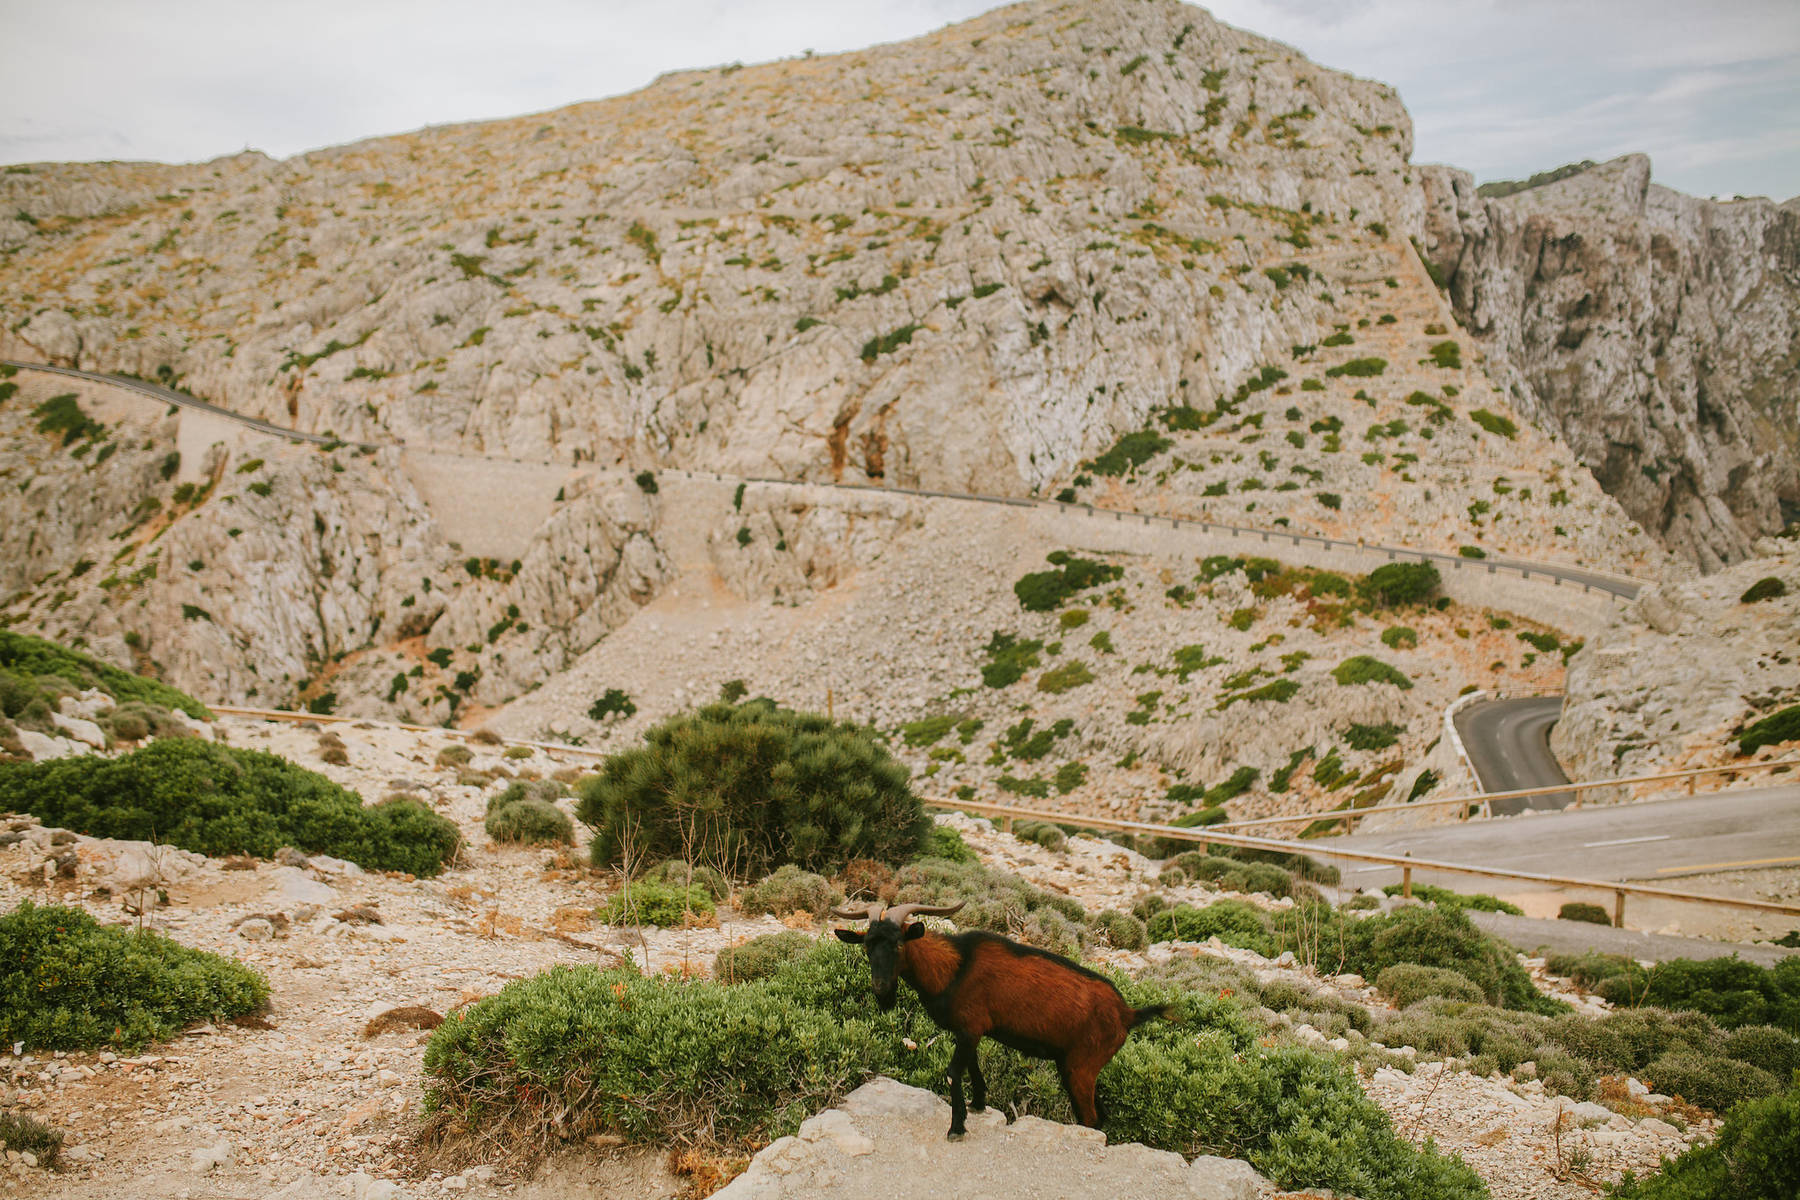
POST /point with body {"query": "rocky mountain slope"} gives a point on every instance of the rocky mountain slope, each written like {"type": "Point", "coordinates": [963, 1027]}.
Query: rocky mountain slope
{"type": "Point", "coordinates": [1657, 332]}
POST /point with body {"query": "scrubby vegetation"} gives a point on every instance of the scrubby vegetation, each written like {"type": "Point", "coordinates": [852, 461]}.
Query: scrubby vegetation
{"type": "Point", "coordinates": [1577, 910]}
{"type": "Point", "coordinates": [750, 787]}
{"type": "Point", "coordinates": [1043, 591]}
{"type": "Point", "coordinates": [788, 890]}
{"type": "Point", "coordinates": [1756, 1156]}
{"type": "Point", "coordinates": [68, 983]}
{"type": "Point", "coordinates": [651, 902]}
{"type": "Point", "coordinates": [28, 1135]}
{"type": "Point", "coordinates": [32, 668]}
{"type": "Point", "coordinates": [1445, 898]}
{"type": "Point", "coordinates": [1766, 588]}
{"type": "Point", "coordinates": [760, 957]}
{"type": "Point", "coordinates": [1362, 668]}
{"type": "Point", "coordinates": [220, 800]}
{"type": "Point", "coordinates": [1774, 729]}
{"type": "Point", "coordinates": [658, 1060]}
{"type": "Point", "coordinates": [526, 812]}
{"type": "Point", "coordinates": [1731, 991]}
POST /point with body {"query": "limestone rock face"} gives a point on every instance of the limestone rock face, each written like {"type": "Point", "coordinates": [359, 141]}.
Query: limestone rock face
{"type": "Point", "coordinates": [1657, 332]}
{"type": "Point", "coordinates": [967, 260]}
{"type": "Point", "coordinates": [1684, 667]}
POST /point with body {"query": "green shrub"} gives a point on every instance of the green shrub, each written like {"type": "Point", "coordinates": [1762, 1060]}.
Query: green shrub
{"type": "Point", "coordinates": [646, 481]}
{"type": "Point", "coordinates": [1404, 984]}
{"type": "Point", "coordinates": [945, 842]}
{"type": "Point", "coordinates": [1363, 669]}
{"type": "Point", "coordinates": [532, 822]}
{"type": "Point", "coordinates": [679, 873]}
{"type": "Point", "coordinates": [996, 900]}
{"type": "Point", "coordinates": [220, 800]}
{"type": "Point", "coordinates": [614, 700]}
{"type": "Point", "coordinates": [1042, 833]}
{"type": "Point", "coordinates": [458, 755]}
{"type": "Point", "coordinates": [134, 721]}
{"type": "Point", "coordinates": [754, 786]}
{"type": "Point", "coordinates": [1071, 674]}
{"type": "Point", "coordinates": [1231, 921]}
{"type": "Point", "coordinates": [1576, 910]}
{"type": "Point", "coordinates": [926, 732]}
{"type": "Point", "coordinates": [1372, 737]}
{"type": "Point", "coordinates": [1121, 930]}
{"type": "Point", "coordinates": [1131, 451]}
{"type": "Point", "coordinates": [657, 1060]}
{"type": "Point", "coordinates": [69, 983]}
{"type": "Point", "coordinates": [647, 902]}
{"type": "Point", "coordinates": [1447, 355]}
{"type": "Point", "coordinates": [546, 790]}
{"type": "Point", "coordinates": [1359, 368]}
{"type": "Point", "coordinates": [1774, 1050]}
{"type": "Point", "coordinates": [1494, 423]}
{"type": "Point", "coordinates": [1042, 591]}
{"type": "Point", "coordinates": [1772, 730]}
{"type": "Point", "coordinates": [1395, 585]}
{"type": "Point", "coordinates": [29, 657]}
{"type": "Point", "coordinates": [28, 1135]}
{"type": "Point", "coordinates": [759, 957]}
{"type": "Point", "coordinates": [786, 890]}
{"type": "Point", "coordinates": [1766, 588]}
{"type": "Point", "coordinates": [1439, 937]}
{"type": "Point", "coordinates": [1709, 1081]}
{"type": "Point", "coordinates": [1445, 898]}
{"type": "Point", "coordinates": [1008, 659]}
{"type": "Point", "coordinates": [1756, 1156]}
{"type": "Point", "coordinates": [63, 417]}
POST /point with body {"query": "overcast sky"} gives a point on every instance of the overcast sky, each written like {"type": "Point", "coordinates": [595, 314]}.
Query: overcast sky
{"type": "Point", "coordinates": [1710, 90]}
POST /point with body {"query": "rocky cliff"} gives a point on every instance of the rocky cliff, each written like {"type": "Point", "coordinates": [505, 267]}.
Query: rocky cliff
{"type": "Point", "coordinates": [1658, 333]}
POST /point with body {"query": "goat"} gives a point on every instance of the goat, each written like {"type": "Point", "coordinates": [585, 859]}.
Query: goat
{"type": "Point", "coordinates": [977, 984]}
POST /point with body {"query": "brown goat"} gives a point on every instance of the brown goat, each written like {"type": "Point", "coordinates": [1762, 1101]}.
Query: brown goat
{"type": "Point", "coordinates": [976, 984]}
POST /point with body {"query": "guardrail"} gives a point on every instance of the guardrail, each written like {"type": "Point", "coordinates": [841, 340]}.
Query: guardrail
{"type": "Point", "coordinates": [1482, 801]}
{"type": "Point", "coordinates": [1406, 863]}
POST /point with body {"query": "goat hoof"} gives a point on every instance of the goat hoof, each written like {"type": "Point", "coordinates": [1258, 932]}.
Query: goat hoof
{"type": "Point", "coordinates": [977, 1108]}
{"type": "Point", "coordinates": [955, 1135]}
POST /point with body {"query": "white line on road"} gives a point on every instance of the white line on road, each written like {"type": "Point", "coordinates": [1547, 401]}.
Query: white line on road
{"type": "Point", "coordinates": [1660, 837]}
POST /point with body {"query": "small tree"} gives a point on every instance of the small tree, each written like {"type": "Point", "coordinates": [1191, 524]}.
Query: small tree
{"type": "Point", "coordinates": [752, 787]}
{"type": "Point", "coordinates": [1398, 584]}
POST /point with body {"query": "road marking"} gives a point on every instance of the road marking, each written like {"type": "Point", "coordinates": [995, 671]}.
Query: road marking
{"type": "Point", "coordinates": [1660, 837]}
{"type": "Point", "coordinates": [1721, 866]}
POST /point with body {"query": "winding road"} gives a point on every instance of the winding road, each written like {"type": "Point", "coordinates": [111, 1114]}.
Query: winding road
{"type": "Point", "coordinates": [1508, 743]}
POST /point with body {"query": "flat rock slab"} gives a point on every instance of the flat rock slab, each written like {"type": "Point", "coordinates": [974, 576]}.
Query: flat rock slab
{"type": "Point", "coordinates": [887, 1139]}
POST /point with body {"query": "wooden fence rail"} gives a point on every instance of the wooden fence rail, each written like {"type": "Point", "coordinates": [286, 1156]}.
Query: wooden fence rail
{"type": "Point", "coordinates": [1406, 864]}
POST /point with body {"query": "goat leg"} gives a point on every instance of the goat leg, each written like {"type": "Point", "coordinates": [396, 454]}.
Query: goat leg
{"type": "Point", "coordinates": [959, 1062]}
{"type": "Point", "coordinates": [977, 1081]}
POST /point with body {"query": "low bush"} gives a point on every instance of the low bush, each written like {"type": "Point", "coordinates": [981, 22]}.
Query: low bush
{"type": "Point", "coordinates": [787, 890]}
{"type": "Point", "coordinates": [1707, 1080]}
{"type": "Point", "coordinates": [1397, 585]}
{"type": "Point", "coordinates": [220, 800]}
{"type": "Point", "coordinates": [760, 957]}
{"type": "Point", "coordinates": [679, 873]}
{"type": "Point", "coordinates": [1131, 451]}
{"type": "Point", "coordinates": [136, 720]}
{"type": "Point", "coordinates": [69, 983]}
{"type": "Point", "coordinates": [1121, 930]}
{"type": "Point", "coordinates": [1772, 730]}
{"type": "Point", "coordinates": [996, 901]}
{"type": "Point", "coordinates": [546, 790]}
{"type": "Point", "coordinates": [647, 902]}
{"type": "Point", "coordinates": [1358, 368]}
{"type": "Point", "coordinates": [1445, 898]}
{"type": "Point", "coordinates": [1493, 422]}
{"type": "Point", "coordinates": [1767, 588]}
{"type": "Point", "coordinates": [1729, 990]}
{"type": "Point", "coordinates": [531, 822]}
{"type": "Point", "coordinates": [1404, 984]}
{"type": "Point", "coordinates": [455, 756]}
{"type": "Point", "coordinates": [1043, 833]}
{"type": "Point", "coordinates": [1439, 937]}
{"type": "Point", "coordinates": [659, 1060]}
{"type": "Point", "coordinates": [754, 786]}
{"type": "Point", "coordinates": [1576, 910]}
{"type": "Point", "coordinates": [945, 842]}
{"type": "Point", "coordinates": [1043, 591]}
{"type": "Point", "coordinates": [1234, 875]}
{"type": "Point", "coordinates": [1231, 921]}
{"type": "Point", "coordinates": [27, 658]}
{"type": "Point", "coordinates": [1362, 668]}
{"type": "Point", "coordinates": [1756, 1156]}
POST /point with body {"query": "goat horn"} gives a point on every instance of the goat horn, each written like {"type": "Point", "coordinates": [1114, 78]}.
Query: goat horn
{"type": "Point", "coordinates": [856, 914]}
{"type": "Point", "coordinates": [900, 912]}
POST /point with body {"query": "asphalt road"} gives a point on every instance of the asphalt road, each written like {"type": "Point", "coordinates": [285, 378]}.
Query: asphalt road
{"type": "Point", "coordinates": [1659, 841]}
{"type": "Point", "coordinates": [1508, 742]}
{"type": "Point", "coordinates": [1600, 581]}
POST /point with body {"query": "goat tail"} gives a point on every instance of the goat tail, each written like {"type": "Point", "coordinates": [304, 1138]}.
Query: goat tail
{"type": "Point", "coordinates": [1166, 1012]}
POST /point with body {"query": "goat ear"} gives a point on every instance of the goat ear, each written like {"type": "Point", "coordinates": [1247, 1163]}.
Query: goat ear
{"type": "Point", "coordinates": [853, 936]}
{"type": "Point", "coordinates": [914, 931]}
